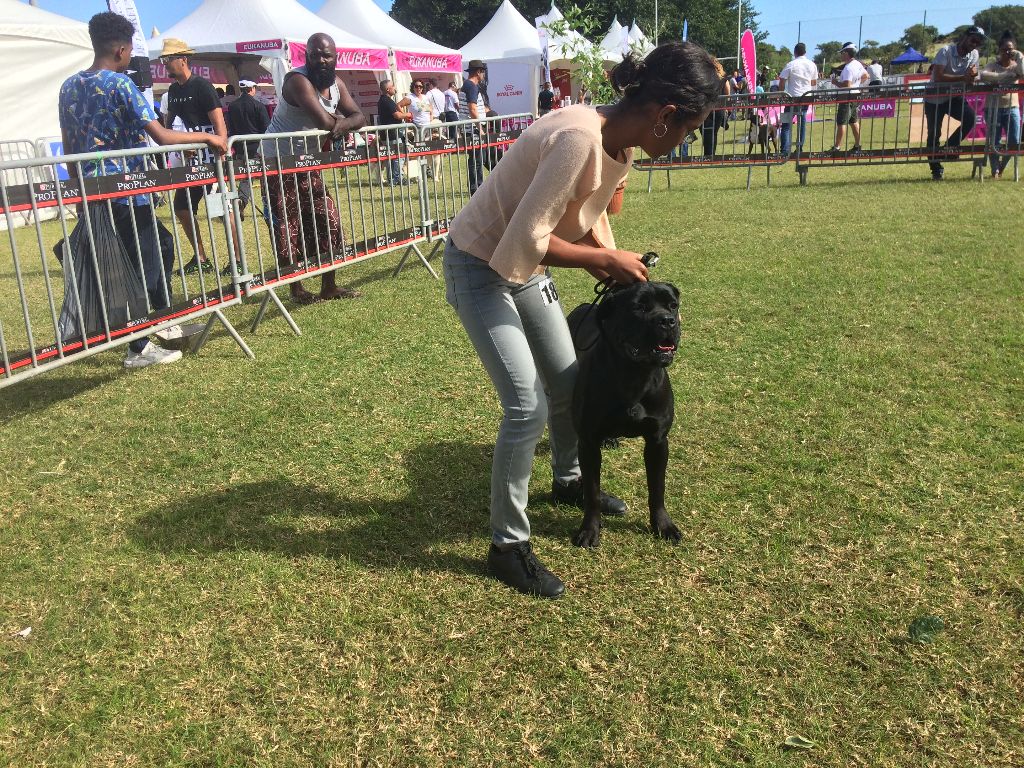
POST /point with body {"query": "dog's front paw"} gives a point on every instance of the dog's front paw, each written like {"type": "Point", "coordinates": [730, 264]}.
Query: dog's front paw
{"type": "Point", "coordinates": [587, 536]}
{"type": "Point", "coordinates": [664, 528]}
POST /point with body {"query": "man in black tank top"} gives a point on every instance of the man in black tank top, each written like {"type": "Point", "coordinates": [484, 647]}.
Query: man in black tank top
{"type": "Point", "coordinates": [306, 223]}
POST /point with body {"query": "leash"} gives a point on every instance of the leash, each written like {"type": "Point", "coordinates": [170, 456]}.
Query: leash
{"type": "Point", "coordinates": [602, 289]}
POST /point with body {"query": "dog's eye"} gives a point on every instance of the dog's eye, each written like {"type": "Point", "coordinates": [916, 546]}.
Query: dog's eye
{"type": "Point", "coordinates": [674, 306]}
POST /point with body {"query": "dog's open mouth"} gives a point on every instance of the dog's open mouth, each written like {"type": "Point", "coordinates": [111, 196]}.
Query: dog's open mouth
{"type": "Point", "coordinates": [662, 353]}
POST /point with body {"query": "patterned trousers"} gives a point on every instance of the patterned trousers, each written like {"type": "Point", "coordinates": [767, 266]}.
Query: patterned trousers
{"type": "Point", "coordinates": [305, 219]}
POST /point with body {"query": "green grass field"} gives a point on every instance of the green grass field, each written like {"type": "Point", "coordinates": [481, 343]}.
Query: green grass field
{"type": "Point", "coordinates": [280, 562]}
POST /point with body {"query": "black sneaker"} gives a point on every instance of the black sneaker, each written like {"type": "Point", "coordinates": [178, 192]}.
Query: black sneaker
{"type": "Point", "coordinates": [571, 493]}
{"type": "Point", "coordinates": [520, 569]}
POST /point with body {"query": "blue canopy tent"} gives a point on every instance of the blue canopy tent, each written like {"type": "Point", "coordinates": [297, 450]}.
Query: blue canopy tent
{"type": "Point", "coordinates": [909, 56]}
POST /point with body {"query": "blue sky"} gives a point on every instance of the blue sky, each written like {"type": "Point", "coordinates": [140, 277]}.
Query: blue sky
{"type": "Point", "coordinates": [884, 20]}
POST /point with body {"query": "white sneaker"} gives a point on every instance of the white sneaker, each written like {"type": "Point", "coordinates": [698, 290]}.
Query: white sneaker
{"type": "Point", "coordinates": [151, 355]}
{"type": "Point", "coordinates": [169, 334]}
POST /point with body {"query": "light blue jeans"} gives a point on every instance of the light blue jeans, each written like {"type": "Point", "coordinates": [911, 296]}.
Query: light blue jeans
{"type": "Point", "coordinates": [1004, 119]}
{"type": "Point", "coordinates": [521, 336]}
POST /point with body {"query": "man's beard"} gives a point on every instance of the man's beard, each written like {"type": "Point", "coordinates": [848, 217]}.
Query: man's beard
{"type": "Point", "coordinates": [322, 79]}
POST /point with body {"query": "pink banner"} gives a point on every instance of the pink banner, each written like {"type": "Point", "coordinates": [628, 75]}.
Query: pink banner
{"type": "Point", "coordinates": [211, 72]}
{"type": "Point", "coordinates": [406, 61]}
{"type": "Point", "coordinates": [878, 108]}
{"type": "Point", "coordinates": [749, 52]}
{"type": "Point", "coordinates": [976, 101]}
{"type": "Point", "coordinates": [348, 58]}
{"type": "Point", "coordinates": [259, 46]}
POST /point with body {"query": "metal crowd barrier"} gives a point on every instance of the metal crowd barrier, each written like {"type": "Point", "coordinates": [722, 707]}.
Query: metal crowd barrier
{"type": "Point", "coordinates": [119, 274]}
{"type": "Point", "coordinates": [129, 266]}
{"type": "Point", "coordinates": [893, 124]}
{"type": "Point", "coordinates": [318, 205]}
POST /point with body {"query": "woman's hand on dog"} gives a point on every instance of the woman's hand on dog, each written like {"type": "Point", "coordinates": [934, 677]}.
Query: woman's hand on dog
{"type": "Point", "coordinates": [624, 267]}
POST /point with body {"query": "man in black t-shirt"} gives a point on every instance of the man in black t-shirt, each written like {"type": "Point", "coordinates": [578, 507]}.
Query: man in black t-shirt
{"type": "Point", "coordinates": [546, 99]}
{"type": "Point", "coordinates": [194, 100]}
{"type": "Point", "coordinates": [391, 112]}
{"type": "Point", "coordinates": [246, 116]}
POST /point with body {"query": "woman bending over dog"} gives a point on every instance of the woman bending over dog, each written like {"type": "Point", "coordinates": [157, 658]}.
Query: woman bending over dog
{"type": "Point", "coordinates": [545, 206]}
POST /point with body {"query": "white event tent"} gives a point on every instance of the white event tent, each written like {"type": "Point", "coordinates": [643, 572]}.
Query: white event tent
{"type": "Point", "coordinates": [413, 55]}
{"type": "Point", "coordinates": [561, 47]}
{"type": "Point", "coordinates": [638, 40]}
{"type": "Point", "coordinates": [511, 47]}
{"type": "Point", "coordinates": [613, 44]}
{"type": "Point", "coordinates": [275, 30]}
{"type": "Point", "coordinates": [38, 51]}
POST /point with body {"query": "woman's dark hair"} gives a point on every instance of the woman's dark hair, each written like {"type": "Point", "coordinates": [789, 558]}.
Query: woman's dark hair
{"type": "Point", "coordinates": [1007, 37]}
{"type": "Point", "coordinates": [679, 73]}
{"type": "Point", "coordinates": [108, 30]}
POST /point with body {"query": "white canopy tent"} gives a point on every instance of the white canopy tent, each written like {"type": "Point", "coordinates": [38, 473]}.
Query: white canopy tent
{"type": "Point", "coordinates": [638, 40]}
{"type": "Point", "coordinates": [276, 30]}
{"type": "Point", "coordinates": [510, 46]}
{"type": "Point", "coordinates": [38, 51]}
{"type": "Point", "coordinates": [613, 44]}
{"type": "Point", "coordinates": [412, 54]}
{"type": "Point", "coordinates": [561, 48]}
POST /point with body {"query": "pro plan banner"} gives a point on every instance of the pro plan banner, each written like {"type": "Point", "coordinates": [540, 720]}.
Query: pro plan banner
{"type": "Point", "coordinates": [138, 70]}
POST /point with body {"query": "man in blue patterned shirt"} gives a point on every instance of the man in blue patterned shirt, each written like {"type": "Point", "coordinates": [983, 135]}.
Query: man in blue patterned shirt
{"type": "Point", "coordinates": [101, 109]}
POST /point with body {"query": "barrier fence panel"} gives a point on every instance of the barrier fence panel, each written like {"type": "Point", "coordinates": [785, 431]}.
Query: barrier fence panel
{"type": "Point", "coordinates": [876, 125]}
{"type": "Point", "coordinates": [122, 270]}
{"type": "Point", "coordinates": [319, 204]}
{"type": "Point", "coordinates": [453, 159]}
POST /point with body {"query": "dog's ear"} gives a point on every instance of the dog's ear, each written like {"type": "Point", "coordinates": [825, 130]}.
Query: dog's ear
{"type": "Point", "coordinates": [675, 291]}
{"type": "Point", "coordinates": [607, 306]}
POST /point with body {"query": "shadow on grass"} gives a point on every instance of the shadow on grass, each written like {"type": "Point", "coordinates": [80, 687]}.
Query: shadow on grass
{"type": "Point", "coordinates": [47, 389]}
{"type": "Point", "coordinates": [447, 501]}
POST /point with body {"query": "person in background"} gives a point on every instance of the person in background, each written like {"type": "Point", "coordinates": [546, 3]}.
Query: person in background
{"type": "Point", "coordinates": [1003, 110]}
{"type": "Point", "coordinates": [229, 97]}
{"type": "Point", "coordinates": [797, 78]}
{"type": "Point", "coordinates": [848, 112]}
{"type": "Point", "coordinates": [246, 116]}
{"type": "Point", "coordinates": [954, 63]}
{"type": "Point", "coordinates": [545, 205]}
{"type": "Point", "coordinates": [875, 72]}
{"type": "Point", "coordinates": [193, 99]}
{"type": "Point", "coordinates": [472, 106]}
{"type": "Point", "coordinates": [100, 108]}
{"type": "Point", "coordinates": [717, 118]}
{"type": "Point", "coordinates": [419, 105]}
{"type": "Point", "coordinates": [546, 99]}
{"type": "Point", "coordinates": [451, 104]}
{"type": "Point", "coordinates": [436, 98]}
{"type": "Point", "coordinates": [305, 217]}
{"type": "Point", "coordinates": [391, 112]}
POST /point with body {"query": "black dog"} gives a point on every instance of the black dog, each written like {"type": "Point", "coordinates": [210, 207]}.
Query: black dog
{"type": "Point", "coordinates": [622, 390]}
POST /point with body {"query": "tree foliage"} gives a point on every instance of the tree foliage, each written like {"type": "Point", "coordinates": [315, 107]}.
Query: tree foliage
{"type": "Point", "coordinates": [920, 36]}
{"type": "Point", "coordinates": [998, 19]}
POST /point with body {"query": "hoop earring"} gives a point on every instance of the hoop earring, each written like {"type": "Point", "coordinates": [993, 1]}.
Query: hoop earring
{"type": "Point", "coordinates": [664, 130]}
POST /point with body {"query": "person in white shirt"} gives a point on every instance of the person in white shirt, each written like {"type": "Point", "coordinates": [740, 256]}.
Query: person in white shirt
{"type": "Point", "coordinates": [875, 71]}
{"type": "Point", "coordinates": [436, 98]}
{"type": "Point", "coordinates": [848, 112]}
{"type": "Point", "coordinates": [797, 78]}
{"type": "Point", "coordinates": [419, 106]}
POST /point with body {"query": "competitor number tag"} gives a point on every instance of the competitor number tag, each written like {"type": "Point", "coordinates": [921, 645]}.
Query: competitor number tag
{"type": "Point", "coordinates": [548, 292]}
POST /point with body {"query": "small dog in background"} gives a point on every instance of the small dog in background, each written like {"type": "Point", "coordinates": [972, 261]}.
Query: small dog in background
{"type": "Point", "coordinates": [761, 133]}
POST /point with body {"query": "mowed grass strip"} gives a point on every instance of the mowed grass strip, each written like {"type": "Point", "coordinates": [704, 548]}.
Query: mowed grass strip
{"type": "Point", "coordinates": [280, 562]}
